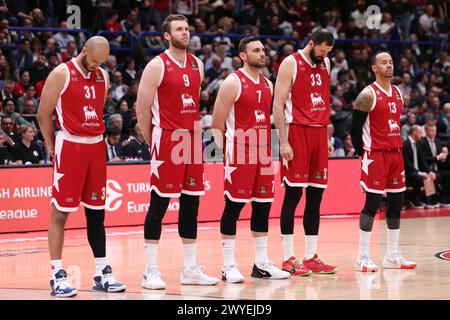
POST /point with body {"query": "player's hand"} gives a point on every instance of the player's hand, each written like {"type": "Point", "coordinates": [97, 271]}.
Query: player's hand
{"type": "Point", "coordinates": [330, 149]}
{"type": "Point", "coordinates": [432, 176]}
{"type": "Point", "coordinates": [8, 140]}
{"type": "Point", "coordinates": [286, 151]}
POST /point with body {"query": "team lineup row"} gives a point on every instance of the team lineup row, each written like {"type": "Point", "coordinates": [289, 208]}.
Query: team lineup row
{"type": "Point", "coordinates": [168, 102]}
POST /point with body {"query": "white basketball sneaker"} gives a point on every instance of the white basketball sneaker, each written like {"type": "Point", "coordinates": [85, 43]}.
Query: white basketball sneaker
{"type": "Point", "coordinates": [194, 275]}
{"type": "Point", "coordinates": [152, 279]}
{"type": "Point", "coordinates": [61, 286]}
{"type": "Point", "coordinates": [232, 274]}
{"type": "Point", "coordinates": [364, 263]}
{"type": "Point", "coordinates": [268, 271]}
{"type": "Point", "coordinates": [395, 261]}
{"type": "Point", "coordinates": [107, 282]}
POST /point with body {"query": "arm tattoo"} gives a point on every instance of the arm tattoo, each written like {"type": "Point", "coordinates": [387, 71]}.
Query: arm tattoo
{"type": "Point", "coordinates": [364, 101]}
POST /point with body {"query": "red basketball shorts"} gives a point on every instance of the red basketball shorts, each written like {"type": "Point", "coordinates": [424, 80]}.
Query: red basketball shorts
{"type": "Point", "coordinates": [79, 172]}
{"type": "Point", "coordinates": [176, 162]}
{"type": "Point", "coordinates": [383, 171]}
{"type": "Point", "coordinates": [309, 166]}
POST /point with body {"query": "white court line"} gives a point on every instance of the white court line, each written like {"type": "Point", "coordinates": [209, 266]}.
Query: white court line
{"type": "Point", "coordinates": [110, 234]}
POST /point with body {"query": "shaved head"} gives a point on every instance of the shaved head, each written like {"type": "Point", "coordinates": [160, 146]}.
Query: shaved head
{"type": "Point", "coordinates": [95, 52]}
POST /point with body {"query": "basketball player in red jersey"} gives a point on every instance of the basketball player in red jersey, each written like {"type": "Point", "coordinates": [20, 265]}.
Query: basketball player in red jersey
{"type": "Point", "coordinates": [302, 112]}
{"type": "Point", "coordinates": [168, 113]}
{"type": "Point", "coordinates": [242, 108]}
{"type": "Point", "coordinates": [376, 137]}
{"type": "Point", "coordinates": [77, 90]}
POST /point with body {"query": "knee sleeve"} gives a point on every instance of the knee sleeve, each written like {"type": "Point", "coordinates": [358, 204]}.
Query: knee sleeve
{"type": "Point", "coordinates": [394, 205]}
{"type": "Point", "coordinates": [155, 214]}
{"type": "Point", "coordinates": [292, 197]}
{"type": "Point", "coordinates": [373, 201]}
{"type": "Point", "coordinates": [230, 216]}
{"type": "Point", "coordinates": [96, 231]}
{"type": "Point", "coordinates": [260, 216]}
{"type": "Point", "coordinates": [187, 218]}
{"type": "Point", "coordinates": [311, 217]}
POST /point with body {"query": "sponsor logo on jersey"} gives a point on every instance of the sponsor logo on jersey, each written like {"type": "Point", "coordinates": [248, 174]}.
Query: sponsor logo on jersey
{"type": "Point", "coordinates": [318, 175]}
{"type": "Point", "coordinates": [323, 66]}
{"type": "Point", "coordinates": [192, 182]}
{"type": "Point", "coordinates": [74, 79]}
{"type": "Point", "coordinates": [188, 103]}
{"type": "Point", "coordinates": [260, 117]}
{"type": "Point", "coordinates": [194, 65]}
{"type": "Point", "coordinates": [89, 113]}
{"type": "Point", "coordinates": [99, 77]}
{"type": "Point", "coordinates": [376, 183]}
{"type": "Point", "coordinates": [69, 200]}
{"type": "Point", "coordinates": [397, 96]}
{"type": "Point", "coordinates": [316, 99]}
{"type": "Point", "coordinates": [94, 196]}
{"type": "Point", "coordinates": [393, 127]}
{"type": "Point", "coordinates": [262, 189]}
{"type": "Point", "coordinates": [395, 181]}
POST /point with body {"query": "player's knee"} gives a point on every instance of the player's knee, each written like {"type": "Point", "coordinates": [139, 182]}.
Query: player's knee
{"type": "Point", "coordinates": [372, 204]}
{"type": "Point", "coordinates": [158, 207]}
{"type": "Point", "coordinates": [292, 195]}
{"type": "Point", "coordinates": [260, 216]}
{"type": "Point", "coordinates": [394, 205]}
{"type": "Point", "coordinates": [59, 218]}
{"type": "Point", "coordinates": [230, 216]}
{"type": "Point", "coordinates": [94, 218]}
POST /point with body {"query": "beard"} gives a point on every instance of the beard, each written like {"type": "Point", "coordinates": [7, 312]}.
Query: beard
{"type": "Point", "coordinates": [315, 58]}
{"type": "Point", "coordinates": [179, 44]}
{"type": "Point", "coordinates": [256, 64]}
{"type": "Point", "coordinates": [84, 63]}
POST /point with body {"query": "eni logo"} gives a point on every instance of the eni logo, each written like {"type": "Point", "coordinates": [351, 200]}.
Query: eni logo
{"type": "Point", "coordinates": [114, 195]}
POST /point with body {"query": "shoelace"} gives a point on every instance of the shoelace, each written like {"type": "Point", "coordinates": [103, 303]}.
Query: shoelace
{"type": "Point", "coordinates": [297, 263]}
{"type": "Point", "coordinates": [153, 273]}
{"type": "Point", "coordinates": [63, 283]}
{"type": "Point", "coordinates": [109, 278]}
{"type": "Point", "coordinates": [397, 256]}
{"type": "Point", "coordinates": [367, 260]}
{"type": "Point", "coordinates": [267, 264]}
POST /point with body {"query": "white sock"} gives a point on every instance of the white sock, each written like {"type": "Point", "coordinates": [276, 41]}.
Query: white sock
{"type": "Point", "coordinates": [392, 240]}
{"type": "Point", "coordinates": [288, 246]}
{"type": "Point", "coordinates": [56, 266]}
{"type": "Point", "coordinates": [151, 250]}
{"type": "Point", "coordinates": [310, 246]}
{"type": "Point", "coordinates": [260, 244]}
{"type": "Point", "coordinates": [364, 242]}
{"type": "Point", "coordinates": [228, 251]}
{"type": "Point", "coordinates": [100, 264]}
{"type": "Point", "coordinates": [189, 255]}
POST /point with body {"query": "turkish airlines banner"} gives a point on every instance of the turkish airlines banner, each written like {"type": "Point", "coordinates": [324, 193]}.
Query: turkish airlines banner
{"type": "Point", "coordinates": [25, 195]}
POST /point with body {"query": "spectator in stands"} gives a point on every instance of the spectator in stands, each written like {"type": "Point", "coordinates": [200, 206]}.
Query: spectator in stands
{"type": "Point", "coordinates": [9, 128]}
{"type": "Point", "coordinates": [205, 102]}
{"type": "Point", "coordinates": [4, 67]}
{"type": "Point", "coordinates": [131, 95]}
{"type": "Point", "coordinates": [63, 38]}
{"type": "Point", "coordinates": [111, 65]}
{"type": "Point", "coordinates": [9, 111]}
{"type": "Point", "coordinates": [51, 48]}
{"type": "Point", "coordinates": [39, 71]}
{"type": "Point", "coordinates": [21, 86]}
{"type": "Point", "coordinates": [70, 52]}
{"type": "Point", "coordinates": [30, 94]}
{"type": "Point", "coordinates": [22, 57]}
{"type": "Point", "coordinates": [154, 41]}
{"type": "Point", "coordinates": [444, 124]}
{"type": "Point", "coordinates": [348, 145]}
{"type": "Point", "coordinates": [129, 72]}
{"type": "Point", "coordinates": [6, 92]}
{"type": "Point", "coordinates": [338, 146]}
{"type": "Point", "coordinates": [110, 104]}
{"type": "Point", "coordinates": [273, 29]}
{"type": "Point", "coordinates": [410, 121]}
{"type": "Point", "coordinates": [125, 112]}
{"type": "Point", "coordinates": [132, 18]}
{"type": "Point", "coordinates": [118, 88]}
{"type": "Point", "coordinates": [436, 157]}
{"type": "Point", "coordinates": [5, 156]}
{"type": "Point", "coordinates": [416, 169]}
{"type": "Point", "coordinates": [35, 47]}
{"type": "Point", "coordinates": [30, 112]}
{"type": "Point", "coordinates": [339, 62]}
{"type": "Point", "coordinates": [38, 18]}
{"type": "Point", "coordinates": [116, 120]}
{"type": "Point", "coordinates": [113, 147]}
{"type": "Point", "coordinates": [137, 148]}
{"type": "Point", "coordinates": [113, 24]}
{"type": "Point", "coordinates": [428, 23]}
{"type": "Point", "coordinates": [360, 15]}
{"type": "Point", "coordinates": [27, 151]}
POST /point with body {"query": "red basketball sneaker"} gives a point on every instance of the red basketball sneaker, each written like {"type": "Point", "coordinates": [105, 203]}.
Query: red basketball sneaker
{"type": "Point", "coordinates": [295, 268]}
{"type": "Point", "coordinates": [318, 266]}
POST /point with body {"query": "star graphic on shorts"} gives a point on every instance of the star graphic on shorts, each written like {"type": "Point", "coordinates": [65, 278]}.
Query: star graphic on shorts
{"type": "Point", "coordinates": [155, 165]}
{"type": "Point", "coordinates": [228, 171]}
{"type": "Point", "coordinates": [365, 163]}
{"type": "Point", "coordinates": [56, 177]}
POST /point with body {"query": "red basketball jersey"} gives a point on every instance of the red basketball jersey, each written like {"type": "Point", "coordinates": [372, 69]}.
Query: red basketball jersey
{"type": "Point", "coordinates": [176, 103]}
{"type": "Point", "coordinates": [251, 109]}
{"type": "Point", "coordinates": [308, 102]}
{"type": "Point", "coordinates": [382, 127]}
{"type": "Point", "coordinates": [79, 108]}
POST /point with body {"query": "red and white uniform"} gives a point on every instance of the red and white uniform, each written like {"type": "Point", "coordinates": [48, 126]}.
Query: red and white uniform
{"type": "Point", "coordinates": [249, 172]}
{"type": "Point", "coordinates": [382, 167]}
{"type": "Point", "coordinates": [307, 114]}
{"type": "Point", "coordinates": [80, 159]}
{"type": "Point", "coordinates": [176, 142]}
